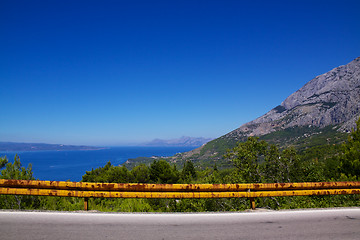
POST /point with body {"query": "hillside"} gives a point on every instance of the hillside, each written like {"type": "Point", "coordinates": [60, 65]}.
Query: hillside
{"type": "Point", "coordinates": [322, 112]}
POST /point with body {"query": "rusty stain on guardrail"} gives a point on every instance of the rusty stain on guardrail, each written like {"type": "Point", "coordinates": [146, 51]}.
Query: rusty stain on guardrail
{"type": "Point", "coordinates": [139, 190]}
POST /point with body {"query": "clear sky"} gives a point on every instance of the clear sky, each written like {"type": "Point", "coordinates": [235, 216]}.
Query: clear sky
{"type": "Point", "coordinates": [120, 72]}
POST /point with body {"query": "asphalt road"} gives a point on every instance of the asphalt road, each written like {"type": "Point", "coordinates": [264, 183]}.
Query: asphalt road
{"type": "Point", "coordinates": [298, 224]}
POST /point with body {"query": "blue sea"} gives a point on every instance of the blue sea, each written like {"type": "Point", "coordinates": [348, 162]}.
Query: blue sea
{"type": "Point", "coordinates": [72, 165]}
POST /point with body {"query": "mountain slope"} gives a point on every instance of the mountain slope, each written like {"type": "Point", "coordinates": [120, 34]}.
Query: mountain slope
{"type": "Point", "coordinates": [330, 99]}
{"type": "Point", "coordinates": [321, 112]}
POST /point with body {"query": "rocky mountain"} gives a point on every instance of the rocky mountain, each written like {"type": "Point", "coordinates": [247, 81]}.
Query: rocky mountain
{"type": "Point", "coordinates": [180, 142]}
{"type": "Point", "coordinates": [320, 112]}
{"type": "Point", "coordinates": [332, 98]}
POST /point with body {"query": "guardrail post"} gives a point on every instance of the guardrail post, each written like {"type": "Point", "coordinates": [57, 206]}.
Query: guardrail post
{"type": "Point", "coordinates": [86, 203]}
{"type": "Point", "coordinates": [252, 203]}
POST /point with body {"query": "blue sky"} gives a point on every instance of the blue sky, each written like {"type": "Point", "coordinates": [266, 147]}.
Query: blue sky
{"type": "Point", "coordinates": [121, 72]}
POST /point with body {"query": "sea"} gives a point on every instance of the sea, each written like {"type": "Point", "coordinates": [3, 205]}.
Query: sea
{"type": "Point", "coordinates": [72, 165]}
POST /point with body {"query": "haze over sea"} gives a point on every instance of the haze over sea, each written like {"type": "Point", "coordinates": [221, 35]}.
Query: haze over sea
{"type": "Point", "coordinates": [72, 165]}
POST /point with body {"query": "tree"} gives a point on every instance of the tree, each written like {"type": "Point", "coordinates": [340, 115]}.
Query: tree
{"type": "Point", "coordinates": [289, 166]}
{"type": "Point", "coordinates": [272, 164]}
{"type": "Point", "coordinates": [98, 174]}
{"type": "Point", "coordinates": [119, 174]}
{"type": "Point", "coordinates": [161, 172]}
{"type": "Point", "coordinates": [257, 161]}
{"type": "Point", "coordinates": [350, 156]}
{"type": "Point", "coordinates": [16, 171]}
{"type": "Point", "coordinates": [3, 162]}
{"type": "Point", "coordinates": [188, 172]}
{"type": "Point", "coordinates": [141, 173]}
{"type": "Point", "coordinates": [109, 174]}
{"type": "Point", "coordinates": [246, 157]}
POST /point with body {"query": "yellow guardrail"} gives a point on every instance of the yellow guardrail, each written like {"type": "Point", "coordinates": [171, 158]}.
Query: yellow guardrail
{"type": "Point", "coordinates": [138, 190]}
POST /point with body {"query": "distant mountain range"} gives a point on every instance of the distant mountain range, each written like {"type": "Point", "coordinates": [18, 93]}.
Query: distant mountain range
{"type": "Point", "coordinates": [179, 142]}
{"type": "Point", "coordinates": [11, 146]}
{"type": "Point", "coordinates": [323, 111]}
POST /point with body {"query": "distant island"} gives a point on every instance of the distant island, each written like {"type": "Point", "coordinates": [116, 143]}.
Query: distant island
{"type": "Point", "coordinates": [12, 146]}
{"type": "Point", "coordinates": [184, 141]}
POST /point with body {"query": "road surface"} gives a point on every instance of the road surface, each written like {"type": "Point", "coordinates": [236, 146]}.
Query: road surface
{"type": "Point", "coordinates": [341, 223]}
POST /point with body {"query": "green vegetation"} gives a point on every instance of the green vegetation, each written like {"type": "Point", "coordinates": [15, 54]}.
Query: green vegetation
{"type": "Point", "coordinates": [305, 137]}
{"type": "Point", "coordinates": [16, 171]}
{"type": "Point", "coordinates": [301, 138]}
{"type": "Point", "coordinates": [251, 161]}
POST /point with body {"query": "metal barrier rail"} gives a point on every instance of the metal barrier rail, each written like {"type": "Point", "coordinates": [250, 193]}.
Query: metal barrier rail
{"type": "Point", "coordinates": [134, 190]}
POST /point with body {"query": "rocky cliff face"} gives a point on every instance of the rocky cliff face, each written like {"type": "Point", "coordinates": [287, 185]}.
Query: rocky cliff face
{"type": "Point", "coordinates": [332, 98]}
